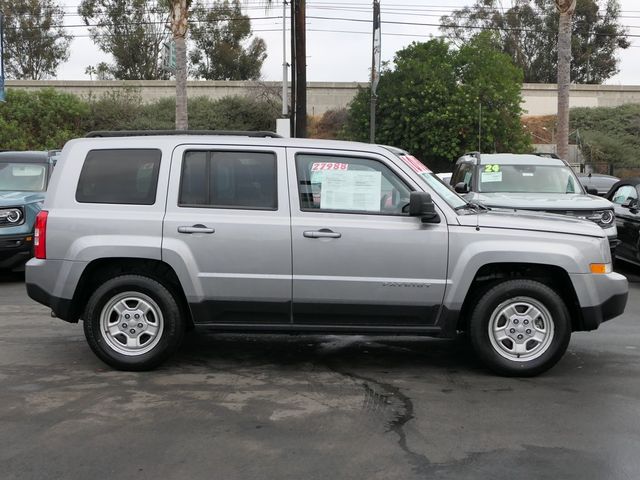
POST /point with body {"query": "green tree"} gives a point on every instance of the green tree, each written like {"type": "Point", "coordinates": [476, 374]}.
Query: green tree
{"type": "Point", "coordinates": [133, 32]}
{"type": "Point", "coordinates": [529, 34]}
{"type": "Point", "coordinates": [44, 119]}
{"type": "Point", "coordinates": [219, 34]}
{"type": "Point", "coordinates": [608, 134]}
{"type": "Point", "coordinates": [429, 102]}
{"type": "Point", "coordinates": [35, 41]}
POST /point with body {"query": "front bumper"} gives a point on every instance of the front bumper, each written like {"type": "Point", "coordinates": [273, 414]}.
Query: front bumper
{"type": "Point", "coordinates": [601, 297]}
{"type": "Point", "coordinates": [592, 317]}
{"type": "Point", "coordinates": [15, 251]}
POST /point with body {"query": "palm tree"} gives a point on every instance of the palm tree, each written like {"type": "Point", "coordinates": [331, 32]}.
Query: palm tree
{"type": "Point", "coordinates": [179, 25]}
{"type": "Point", "coordinates": [566, 9]}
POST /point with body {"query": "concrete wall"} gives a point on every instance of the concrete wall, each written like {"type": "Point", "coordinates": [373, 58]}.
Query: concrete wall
{"type": "Point", "coordinates": [539, 99]}
{"type": "Point", "coordinates": [321, 96]}
{"type": "Point", "coordinates": [542, 99]}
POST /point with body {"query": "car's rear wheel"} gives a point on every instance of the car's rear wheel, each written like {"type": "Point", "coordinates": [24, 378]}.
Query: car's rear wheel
{"type": "Point", "coordinates": [520, 328]}
{"type": "Point", "coordinates": [133, 322]}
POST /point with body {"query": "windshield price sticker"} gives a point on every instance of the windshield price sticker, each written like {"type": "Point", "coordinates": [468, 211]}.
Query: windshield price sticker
{"type": "Point", "coordinates": [488, 177]}
{"type": "Point", "coordinates": [414, 164]}
{"type": "Point", "coordinates": [491, 168]}
{"type": "Point", "coordinates": [322, 166]}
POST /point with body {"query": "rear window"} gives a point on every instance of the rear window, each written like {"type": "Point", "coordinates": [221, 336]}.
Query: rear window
{"type": "Point", "coordinates": [119, 176]}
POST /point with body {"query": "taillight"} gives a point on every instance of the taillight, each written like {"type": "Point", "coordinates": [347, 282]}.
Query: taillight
{"type": "Point", "coordinates": [40, 236]}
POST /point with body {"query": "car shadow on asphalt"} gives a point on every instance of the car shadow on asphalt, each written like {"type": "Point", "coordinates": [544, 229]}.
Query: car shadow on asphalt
{"type": "Point", "coordinates": [11, 277]}
{"type": "Point", "coordinates": [632, 272]}
{"type": "Point", "coordinates": [339, 353]}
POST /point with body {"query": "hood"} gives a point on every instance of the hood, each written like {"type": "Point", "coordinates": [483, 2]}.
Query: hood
{"type": "Point", "coordinates": [536, 222]}
{"type": "Point", "coordinates": [543, 201]}
{"type": "Point", "coordinates": [15, 199]}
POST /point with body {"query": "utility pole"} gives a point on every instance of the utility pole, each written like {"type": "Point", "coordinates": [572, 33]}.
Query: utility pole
{"type": "Point", "coordinates": [285, 65]}
{"type": "Point", "coordinates": [375, 68]}
{"type": "Point", "coordinates": [294, 92]}
{"type": "Point", "coordinates": [300, 69]}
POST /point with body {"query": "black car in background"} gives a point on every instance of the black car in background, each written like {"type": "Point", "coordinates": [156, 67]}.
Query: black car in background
{"type": "Point", "coordinates": [625, 196]}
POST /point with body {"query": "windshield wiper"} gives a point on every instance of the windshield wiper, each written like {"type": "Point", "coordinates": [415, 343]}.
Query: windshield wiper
{"type": "Point", "coordinates": [473, 206]}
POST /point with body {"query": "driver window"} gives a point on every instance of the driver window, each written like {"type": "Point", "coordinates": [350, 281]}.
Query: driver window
{"type": "Point", "coordinates": [624, 193]}
{"type": "Point", "coordinates": [349, 185]}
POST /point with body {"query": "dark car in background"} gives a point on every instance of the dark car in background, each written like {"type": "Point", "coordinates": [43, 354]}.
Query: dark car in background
{"type": "Point", "coordinates": [597, 183]}
{"type": "Point", "coordinates": [625, 196]}
{"type": "Point", "coordinates": [24, 177]}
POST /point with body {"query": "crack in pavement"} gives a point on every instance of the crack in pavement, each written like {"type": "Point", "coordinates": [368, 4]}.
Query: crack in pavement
{"type": "Point", "coordinates": [402, 416]}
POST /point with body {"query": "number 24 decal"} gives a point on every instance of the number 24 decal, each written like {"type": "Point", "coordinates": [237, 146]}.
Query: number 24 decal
{"type": "Point", "coordinates": [491, 168]}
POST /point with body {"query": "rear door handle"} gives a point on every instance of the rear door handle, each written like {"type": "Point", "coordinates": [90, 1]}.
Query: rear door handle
{"type": "Point", "coordinates": [322, 233]}
{"type": "Point", "coordinates": [196, 229]}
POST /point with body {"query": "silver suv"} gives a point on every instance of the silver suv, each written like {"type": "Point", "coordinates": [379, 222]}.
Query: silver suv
{"type": "Point", "coordinates": [144, 237]}
{"type": "Point", "coordinates": [530, 182]}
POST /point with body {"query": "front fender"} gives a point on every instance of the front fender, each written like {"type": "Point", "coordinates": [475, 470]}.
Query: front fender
{"type": "Point", "coordinates": [471, 249]}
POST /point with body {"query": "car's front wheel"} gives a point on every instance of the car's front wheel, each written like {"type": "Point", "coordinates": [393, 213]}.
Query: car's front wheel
{"type": "Point", "coordinates": [520, 328]}
{"type": "Point", "coordinates": [133, 323]}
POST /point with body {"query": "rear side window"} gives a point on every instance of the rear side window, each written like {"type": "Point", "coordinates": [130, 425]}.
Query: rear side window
{"type": "Point", "coordinates": [243, 180]}
{"type": "Point", "coordinates": [119, 176]}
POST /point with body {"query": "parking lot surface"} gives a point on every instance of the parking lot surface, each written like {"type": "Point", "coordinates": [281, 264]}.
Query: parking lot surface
{"type": "Point", "coordinates": [312, 407]}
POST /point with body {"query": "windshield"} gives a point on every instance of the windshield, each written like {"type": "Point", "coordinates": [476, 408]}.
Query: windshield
{"type": "Point", "coordinates": [22, 177]}
{"type": "Point", "coordinates": [431, 179]}
{"type": "Point", "coordinates": [528, 179]}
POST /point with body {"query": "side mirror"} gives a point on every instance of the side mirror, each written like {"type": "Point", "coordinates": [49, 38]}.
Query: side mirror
{"type": "Point", "coordinates": [461, 187]}
{"type": "Point", "coordinates": [421, 205]}
{"type": "Point", "coordinates": [592, 191]}
{"type": "Point", "coordinates": [630, 203]}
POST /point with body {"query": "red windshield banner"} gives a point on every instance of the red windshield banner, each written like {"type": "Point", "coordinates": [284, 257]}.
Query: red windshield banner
{"type": "Point", "coordinates": [414, 164]}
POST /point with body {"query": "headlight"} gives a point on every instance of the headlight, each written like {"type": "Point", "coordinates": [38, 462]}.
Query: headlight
{"type": "Point", "coordinates": [11, 216]}
{"type": "Point", "coordinates": [604, 218]}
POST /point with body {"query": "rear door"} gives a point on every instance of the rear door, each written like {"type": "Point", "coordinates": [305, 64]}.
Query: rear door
{"type": "Point", "coordinates": [358, 258]}
{"type": "Point", "coordinates": [227, 222]}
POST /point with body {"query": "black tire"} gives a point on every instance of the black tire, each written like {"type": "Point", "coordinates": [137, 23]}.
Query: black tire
{"type": "Point", "coordinates": [493, 353]}
{"type": "Point", "coordinates": [168, 321]}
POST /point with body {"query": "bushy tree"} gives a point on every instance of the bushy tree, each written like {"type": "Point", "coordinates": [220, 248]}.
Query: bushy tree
{"type": "Point", "coordinates": [35, 41]}
{"type": "Point", "coordinates": [429, 102]}
{"type": "Point", "coordinates": [219, 34]}
{"type": "Point", "coordinates": [608, 134]}
{"type": "Point", "coordinates": [133, 32]}
{"type": "Point", "coordinates": [528, 32]}
{"type": "Point", "coordinates": [44, 119]}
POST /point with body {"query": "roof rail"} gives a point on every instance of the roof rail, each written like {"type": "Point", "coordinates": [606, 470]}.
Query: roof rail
{"type": "Point", "coordinates": [144, 133]}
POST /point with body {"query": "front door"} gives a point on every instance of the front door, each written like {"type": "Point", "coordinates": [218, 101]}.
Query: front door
{"type": "Point", "coordinates": [358, 258]}
{"type": "Point", "coordinates": [627, 222]}
{"type": "Point", "coordinates": [227, 222]}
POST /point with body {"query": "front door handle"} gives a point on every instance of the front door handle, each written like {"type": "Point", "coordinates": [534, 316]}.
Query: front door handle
{"type": "Point", "coordinates": [196, 229]}
{"type": "Point", "coordinates": [322, 233]}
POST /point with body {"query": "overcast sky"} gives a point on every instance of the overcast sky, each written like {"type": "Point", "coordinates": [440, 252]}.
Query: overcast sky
{"type": "Point", "coordinates": [340, 50]}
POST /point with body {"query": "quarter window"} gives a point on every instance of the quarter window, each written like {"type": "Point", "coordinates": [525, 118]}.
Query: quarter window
{"type": "Point", "coordinates": [463, 175]}
{"type": "Point", "coordinates": [348, 184]}
{"type": "Point", "coordinates": [119, 177]}
{"type": "Point", "coordinates": [215, 179]}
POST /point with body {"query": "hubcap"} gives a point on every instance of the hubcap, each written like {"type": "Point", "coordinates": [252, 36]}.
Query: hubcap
{"type": "Point", "coordinates": [131, 323]}
{"type": "Point", "coordinates": [521, 329]}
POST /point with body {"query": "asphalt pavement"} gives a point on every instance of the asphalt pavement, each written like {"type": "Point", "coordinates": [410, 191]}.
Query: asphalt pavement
{"type": "Point", "coordinates": [313, 407]}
